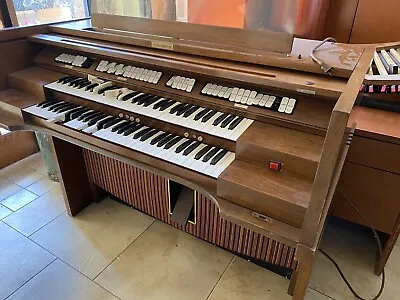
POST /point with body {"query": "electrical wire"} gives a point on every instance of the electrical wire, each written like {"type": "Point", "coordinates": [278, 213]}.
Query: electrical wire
{"type": "Point", "coordinates": [380, 253]}
{"type": "Point", "coordinates": [325, 67]}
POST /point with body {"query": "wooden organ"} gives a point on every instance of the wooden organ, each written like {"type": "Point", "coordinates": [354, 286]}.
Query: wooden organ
{"type": "Point", "coordinates": [237, 145]}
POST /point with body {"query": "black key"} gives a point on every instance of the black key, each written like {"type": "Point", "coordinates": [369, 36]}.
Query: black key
{"type": "Point", "coordinates": [129, 96]}
{"type": "Point", "coordinates": [183, 146]}
{"type": "Point", "coordinates": [76, 82]}
{"type": "Point", "coordinates": [100, 124]}
{"type": "Point", "coordinates": [142, 132]}
{"type": "Point", "coordinates": [111, 123]}
{"type": "Point", "coordinates": [166, 105]}
{"type": "Point", "coordinates": [125, 127]}
{"type": "Point", "coordinates": [90, 87]}
{"type": "Point", "coordinates": [220, 119]}
{"type": "Point", "coordinates": [90, 116]}
{"type": "Point", "coordinates": [190, 149]}
{"type": "Point", "coordinates": [218, 157]}
{"type": "Point", "coordinates": [176, 107]}
{"type": "Point", "coordinates": [202, 152]}
{"type": "Point", "coordinates": [208, 116]}
{"type": "Point", "coordinates": [83, 84]}
{"type": "Point", "coordinates": [227, 121]}
{"type": "Point", "coordinates": [120, 126]}
{"type": "Point", "coordinates": [76, 113]}
{"type": "Point", "coordinates": [94, 120]}
{"type": "Point", "coordinates": [190, 111]}
{"type": "Point", "coordinates": [58, 105]}
{"type": "Point", "coordinates": [160, 103]}
{"type": "Point", "coordinates": [134, 128]}
{"type": "Point", "coordinates": [140, 98]}
{"type": "Point", "coordinates": [159, 138]}
{"type": "Point", "coordinates": [172, 142]}
{"type": "Point", "coordinates": [49, 103]}
{"type": "Point", "coordinates": [165, 140]}
{"type": "Point", "coordinates": [210, 154]}
{"type": "Point", "coordinates": [68, 80]}
{"type": "Point", "coordinates": [181, 111]}
{"type": "Point", "coordinates": [151, 101]}
{"type": "Point", "coordinates": [148, 135]}
{"type": "Point", "coordinates": [201, 114]}
{"type": "Point", "coordinates": [109, 88]}
{"type": "Point", "coordinates": [64, 78]}
{"type": "Point", "coordinates": [65, 108]}
{"type": "Point", "coordinates": [145, 99]}
{"type": "Point", "coordinates": [235, 123]}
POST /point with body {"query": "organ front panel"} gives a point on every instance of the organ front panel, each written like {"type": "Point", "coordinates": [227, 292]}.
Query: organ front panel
{"type": "Point", "coordinates": [241, 154]}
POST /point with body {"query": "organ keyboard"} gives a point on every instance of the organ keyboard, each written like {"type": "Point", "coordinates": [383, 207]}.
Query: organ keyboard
{"type": "Point", "coordinates": [258, 135]}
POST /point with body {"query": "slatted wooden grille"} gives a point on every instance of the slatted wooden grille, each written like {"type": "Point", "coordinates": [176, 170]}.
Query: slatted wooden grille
{"type": "Point", "coordinates": [148, 193]}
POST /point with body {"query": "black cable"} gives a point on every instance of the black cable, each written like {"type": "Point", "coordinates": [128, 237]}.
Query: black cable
{"type": "Point", "coordinates": [380, 253]}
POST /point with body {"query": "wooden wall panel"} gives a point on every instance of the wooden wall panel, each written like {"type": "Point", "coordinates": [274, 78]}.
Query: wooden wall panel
{"type": "Point", "coordinates": [374, 192]}
{"type": "Point", "coordinates": [376, 21]}
{"type": "Point", "coordinates": [340, 18]}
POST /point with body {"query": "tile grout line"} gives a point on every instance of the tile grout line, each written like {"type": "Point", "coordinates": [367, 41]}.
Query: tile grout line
{"type": "Point", "coordinates": [46, 223]}
{"type": "Point", "coordinates": [26, 282]}
{"type": "Point", "coordinates": [56, 257]}
{"type": "Point", "coordinates": [219, 279]}
{"type": "Point", "coordinates": [321, 293]}
{"type": "Point", "coordinates": [101, 272]}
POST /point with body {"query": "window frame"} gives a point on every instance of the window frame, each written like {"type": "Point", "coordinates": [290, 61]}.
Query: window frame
{"type": "Point", "coordinates": [8, 15]}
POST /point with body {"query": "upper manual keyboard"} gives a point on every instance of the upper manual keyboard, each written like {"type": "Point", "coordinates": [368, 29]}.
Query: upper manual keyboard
{"type": "Point", "coordinates": [202, 119]}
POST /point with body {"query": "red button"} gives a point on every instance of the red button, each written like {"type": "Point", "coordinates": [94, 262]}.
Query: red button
{"type": "Point", "coordinates": [275, 166]}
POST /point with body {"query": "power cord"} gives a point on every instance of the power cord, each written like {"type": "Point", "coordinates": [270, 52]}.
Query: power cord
{"type": "Point", "coordinates": [324, 66]}
{"type": "Point", "coordinates": [380, 253]}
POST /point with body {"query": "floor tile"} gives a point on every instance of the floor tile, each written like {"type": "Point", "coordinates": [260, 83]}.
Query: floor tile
{"type": "Point", "coordinates": [42, 186]}
{"type": "Point", "coordinates": [60, 281]}
{"type": "Point", "coordinates": [14, 170]}
{"type": "Point", "coordinates": [4, 212]}
{"type": "Point", "coordinates": [20, 260]}
{"type": "Point", "coordinates": [27, 177]}
{"type": "Point", "coordinates": [244, 280]}
{"type": "Point", "coordinates": [96, 236]}
{"type": "Point", "coordinates": [326, 280]}
{"type": "Point", "coordinates": [394, 261]}
{"type": "Point", "coordinates": [18, 200]}
{"type": "Point", "coordinates": [37, 213]}
{"type": "Point", "coordinates": [165, 263]}
{"type": "Point", "coordinates": [8, 188]}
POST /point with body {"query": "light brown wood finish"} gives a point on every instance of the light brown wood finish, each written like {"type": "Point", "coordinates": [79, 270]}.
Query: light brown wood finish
{"type": "Point", "coordinates": [372, 27]}
{"type": "Point", "coordinates": [342, 57]}
{"type": "Point", "coordinates": [340, 19]}
{"type": "Point", "coordinates": [72, 175]}
{"type": "Point", "coordinates": [16, 146]}
{"type": "Point", "coordinates": [203, 36]}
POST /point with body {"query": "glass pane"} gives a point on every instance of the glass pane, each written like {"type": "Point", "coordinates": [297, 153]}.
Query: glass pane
{"type": "Point", "coordinates": [31, 12]}
{"type": "Point", "coordinates": [276, 15]}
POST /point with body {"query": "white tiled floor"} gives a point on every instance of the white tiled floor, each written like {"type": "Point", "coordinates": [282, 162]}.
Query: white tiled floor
{"type": "Point", "coordinates": [110, 251]}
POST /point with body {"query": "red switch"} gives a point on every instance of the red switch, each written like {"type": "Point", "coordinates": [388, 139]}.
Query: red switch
{"type": "Point", "coordinates": [275, 166]}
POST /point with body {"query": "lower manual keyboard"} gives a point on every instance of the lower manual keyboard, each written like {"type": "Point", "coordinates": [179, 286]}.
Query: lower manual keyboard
{"type": "Point", "coordinates": [194, 155]}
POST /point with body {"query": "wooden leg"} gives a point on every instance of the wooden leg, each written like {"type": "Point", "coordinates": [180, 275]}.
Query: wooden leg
{"type": "Point", "coordinates": [73, 176]}
{"type": "Point", "coordinates": [292, 283]}
{"type": "Point", "coordinates": [387, 248]}
{"type": "Point", "coordinates": [303, 277]}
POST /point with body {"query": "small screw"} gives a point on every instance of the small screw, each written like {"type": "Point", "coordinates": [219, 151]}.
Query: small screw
{"type": "Point", "coordinates": [299, 57]}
